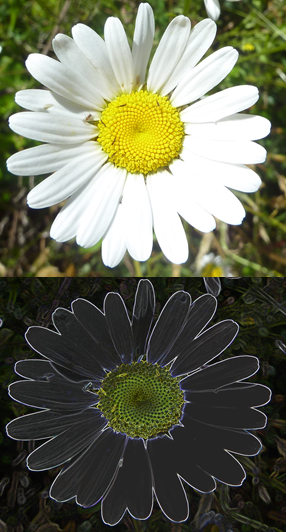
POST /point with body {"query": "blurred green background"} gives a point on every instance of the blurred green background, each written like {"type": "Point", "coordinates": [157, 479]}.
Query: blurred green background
{"type": "Point", "coordinates": [259, 504]}
{"type": "Point", "coordinates": [256, 28]}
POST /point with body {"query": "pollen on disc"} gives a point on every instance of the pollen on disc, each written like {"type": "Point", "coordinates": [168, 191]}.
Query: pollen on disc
{"type": "Point", "coordinates": [141, 132]}
{"type": "Point", "coordinates": [141, 400]}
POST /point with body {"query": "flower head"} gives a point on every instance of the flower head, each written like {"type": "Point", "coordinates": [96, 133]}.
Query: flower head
{"type": "Point", "coordinates": [130, 153]}
{"type": "Point", "coordinates": [135, 414]}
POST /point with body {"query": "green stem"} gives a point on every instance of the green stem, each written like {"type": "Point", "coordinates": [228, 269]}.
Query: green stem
{"type": "Point", "coordinates": [253, 265]}
{"type": "Point", "coordinates": [137, 267]}
{"type": "Point", "coordinates": [186, 7]}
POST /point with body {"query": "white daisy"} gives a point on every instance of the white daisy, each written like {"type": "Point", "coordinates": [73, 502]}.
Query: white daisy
{"type": "Point", "coordinates": [131, 156]}
{"type": "Point", "coordinates": [213, 8]}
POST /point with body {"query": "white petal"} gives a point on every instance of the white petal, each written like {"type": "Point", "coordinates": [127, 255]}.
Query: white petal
{"type": "Point", "coordinates": [63, 183]}
{"type": "Point", "coordinates": [67, 222]}
{"type": "Point", "coordinates": [234, 127]}
{"type": "Point", "coordinates": [204, 76]}
{"type": "Point", "coordinates": [236, 176]}
{"type": "Point", "coordinates": [212, 9]}
{"type": "Point", "coordinates": [45, 158]}
{"type": "Point", "coordinates": [142, 42]}
{"type": "Point", "coordinates": [193, 213]}
{"type": "Point", "coordinates": [226, 151]}
{"type": "Point", "coordinates": [221, 104]}
{"type": "Point", "coordinates": [167, 224]}
{"type": "Point", "coordinates": [44, 127]}
{"type": "Point", "coordinates": [168, 53]}
{"type": "Point", "coordinates": [106, 194]}
{"type": "Point", "coordinates": [70, 55]}
{"type": "Point", "coordinates": [213, 197]}
{"type": "Point", "coordinates": [200, 40]}
{"type": "Point", "coordinates": [64, 81]}
{"type": "Point", "coordinates": [222, 203]}
{"type": "Point", "coordinates": [35, 99]}
{"type": "Point", "coordinates": [114, 242]}
{"type": "Point", "coordinates": [119, 53]}
{"type": "Point", "coordinates": [138, 215]}
{"type": "Point", "coordinates": [94, 48]}
{"type": "Point", "coordinates": [47, 101]}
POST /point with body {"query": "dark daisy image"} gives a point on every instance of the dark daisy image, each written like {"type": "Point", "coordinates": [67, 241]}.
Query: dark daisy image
{"type": "Point", "coordinates": [134, 409]}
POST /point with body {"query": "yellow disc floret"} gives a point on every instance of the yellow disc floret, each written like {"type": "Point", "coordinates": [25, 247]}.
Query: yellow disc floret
{"type": "Point", "coordinates": [141, 400]}
{"type": "Point", "coordinates": [211, 270]}
{"type": "Point", "coordinates": [141, 132]}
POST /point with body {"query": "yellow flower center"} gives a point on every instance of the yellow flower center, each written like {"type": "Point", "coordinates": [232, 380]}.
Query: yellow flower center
{"type": "Point", "coordinates": [141, 132]}
{"type": "Point", "coordinates": [211, 270]}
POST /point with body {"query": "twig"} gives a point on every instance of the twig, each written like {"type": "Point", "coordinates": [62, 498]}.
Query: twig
{"type": "Point", "coordinates": [56, 28]}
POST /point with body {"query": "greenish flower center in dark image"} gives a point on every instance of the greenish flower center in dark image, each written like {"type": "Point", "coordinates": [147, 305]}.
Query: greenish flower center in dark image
{"type": "Point", "coordinates": [141, 400]}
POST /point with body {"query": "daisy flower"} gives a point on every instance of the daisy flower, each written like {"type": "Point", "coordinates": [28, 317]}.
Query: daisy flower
{"type": "Point", "coordinates": [132, 155]}
{"type": "Point", "coordinates": [213, 8]}
{"type": "Point", "coordinates": [136, 414]}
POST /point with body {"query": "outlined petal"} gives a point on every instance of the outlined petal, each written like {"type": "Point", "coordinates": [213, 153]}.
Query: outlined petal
{"type": "Point", "coordinates": [168, 326]}
{"type": "Point", "coordinates": [119, 326]}
{"type": "Point", "coordinates": [132, 488]}
{"type": "Point", "coordinates": [221, 373]}
{"type": "Point", "coordinates": [168, 487]}
{"type": "Point", "coordinates": [207, 346]}
{"type": "Point", "coordinates": [199, 315]}
{"type": "Point", "coordinates": [143, 313]}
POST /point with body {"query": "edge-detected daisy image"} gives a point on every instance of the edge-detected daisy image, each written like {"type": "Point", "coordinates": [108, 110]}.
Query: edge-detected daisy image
{"type": "Point", "coordinates": [138, 141]}
{"type": "Point", "coordinates": [134, 408]}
